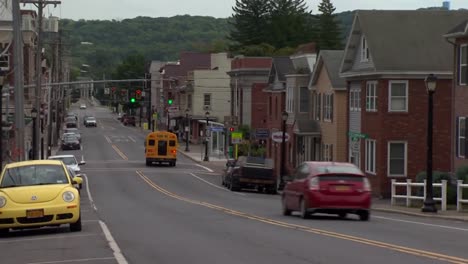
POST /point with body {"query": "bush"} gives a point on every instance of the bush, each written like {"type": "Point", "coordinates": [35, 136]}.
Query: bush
{"type": "Point", "coordinates": [437, 177]}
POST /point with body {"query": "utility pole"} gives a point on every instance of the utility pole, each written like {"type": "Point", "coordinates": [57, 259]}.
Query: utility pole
{"type": "Point", "coordinates": [18, 71]}
{"type": "Point", "coordinates": [40, 4]}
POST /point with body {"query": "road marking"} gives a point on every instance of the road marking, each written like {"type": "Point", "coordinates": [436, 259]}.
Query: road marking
{"type": "Point", "coordinates": [90, 198]}
{"type": "Point", "coordinates": [82, 158]}
{"type": "Point", "coordinates": [108, 140]}
{"type": "Point", "coordinates": [119, 152]}
{"type": "Point", "coordinates": [71, 260]}
{"type": "Point", "coordinates": [113, 245]}
{"type": "Point", "coordinates": [421, 223]}
{"type": "Point", "coordinates": [132, 139]}
{"type": "Point", "coordinates": [45, 238]}
{"type": "Point", "coordinates": [316, 231]}
{"type": "Point", "coordinates": [216, 186]}
{"type": "Point", "coordinates": [206, 168]}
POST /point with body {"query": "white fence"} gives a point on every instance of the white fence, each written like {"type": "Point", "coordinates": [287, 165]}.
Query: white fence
{"type": "Point", "coordinates": [460, 200]}
{"type": "Point", "coordinates": [409, 194]}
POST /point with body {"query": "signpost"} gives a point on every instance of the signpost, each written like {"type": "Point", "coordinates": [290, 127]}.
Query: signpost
{"type": "Point", "coordinates": [262, 133]}
{"type": "Point", "coordinates": [278, 136]}
{"type": "Point", "coordinates": [236, 138]}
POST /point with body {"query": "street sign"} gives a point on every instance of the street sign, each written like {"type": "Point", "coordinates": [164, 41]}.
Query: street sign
{"type": "Point", "coordinates": [217, 129]}
{"type": "Point", "coordinates": [173, 109]}
{"type": "Point", "coordinates": [106, 91]}
{"type": "Point", "coordinates": [262, 133]}
{"type": "Point", "coordinates": [278, 137]}
{"type": "Point", "coordinates": [236, 137]}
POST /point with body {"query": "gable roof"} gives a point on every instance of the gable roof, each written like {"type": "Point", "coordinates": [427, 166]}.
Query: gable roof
{"type": "Point", "coordinates": [403, 41]}
{"type": "Point", "coordinates": [283, 66]}
{"type": "Point", "coordinates": [459, 31]}
{"type": "Point", "coordinates": [330, 60]}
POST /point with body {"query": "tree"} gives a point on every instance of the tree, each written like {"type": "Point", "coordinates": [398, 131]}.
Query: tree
{"type": "Point", "coordinates": [329, 31]}
{"type": "Point", "coordinates": [288, 23]}
{"type": "Point", "coordinates": [249, 22]}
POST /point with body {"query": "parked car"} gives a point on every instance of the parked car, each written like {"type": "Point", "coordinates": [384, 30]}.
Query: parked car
{"type": "Point", "coordinates": [70, 142]}
{"type": "Point", "coordinates": [122, 118]}
{"type": "Point", "coordinates": [129, 120]}
{"type": "Point", "coordinates": [250, 172]}
{"type": "Point", "coordinates": [72, 115]}
{"type": "Point", "coordinates": [327, 187]}
{"type": "Point", "coordinates": [71, 124]}
{"type": "Point", "coordinates": [71, 162]}
{"type": "Point", "coordinates": [90, 121]}
{"type": "Point", "coordinates": [38, 193]}
{"type": "Point", "coordinates": [82, 106]}
{"type": "Point", "coordinates": [73, 131]}
{"type": "Point", "coordinates": [120, 115]}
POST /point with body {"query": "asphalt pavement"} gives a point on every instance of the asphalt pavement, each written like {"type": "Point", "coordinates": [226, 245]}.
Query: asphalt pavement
{"type": "Point", "coordinates": [160, 214]}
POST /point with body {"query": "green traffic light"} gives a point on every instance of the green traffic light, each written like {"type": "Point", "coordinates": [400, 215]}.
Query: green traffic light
{"type": "Point", "coordinates": [132, 100]}
{"type": "Point", "coordinates": [169, 101]}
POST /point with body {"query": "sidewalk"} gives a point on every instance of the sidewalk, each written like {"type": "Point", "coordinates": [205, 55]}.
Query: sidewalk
{"type": "Point", "coordinates": [197, 152]}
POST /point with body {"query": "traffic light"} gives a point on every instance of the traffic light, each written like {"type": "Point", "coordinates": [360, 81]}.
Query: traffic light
{"type": "Point", "coordinates": [132, 100]}
{"type": "Point", "coordinates": [138, 94]}
{"type": "Point", "coordinates": [170, 101]}
{"type": "Point", "coordinates": [231, 129]}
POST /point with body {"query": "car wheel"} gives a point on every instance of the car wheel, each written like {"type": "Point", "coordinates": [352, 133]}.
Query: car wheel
{"type": "Point", "coordinates": [364, 215]}
{"type": "Point", "coordinates": [148, 163]}
{"type": "Point", "coordinates": [304, 213]}
{"type": "Point", "coordinates": [4, 231]}
{"type": "Point", "coordinates": [76, 227]}
{"type": "Point", "coordinates": [81, 186]}
{"type": "Point", "coordinates": [173, 164]}
{"type": "Point", "coordinates": [233, 188]}
{"type": "Point", "coordinates": [342, 215]}
{"type": "Point", "coordinates": [285, 209]}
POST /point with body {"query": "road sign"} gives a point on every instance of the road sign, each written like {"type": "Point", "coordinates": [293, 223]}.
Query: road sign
{"type": "Point", "coordinates": [106, 91]}
{"type": "Point", "coordinates": [173, 109]}
{"type": "Point", "coordinates": [262, 133]}
{"type": "Point", "coordinates": [278, 137]}
{"type": "Point", "coordinates": [236, 137]}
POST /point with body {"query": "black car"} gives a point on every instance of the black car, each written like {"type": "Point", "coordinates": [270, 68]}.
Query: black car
{"type": "Point", "coordinates": [90, 121]}
{"type": "Point", "coordinates": [70, 142]}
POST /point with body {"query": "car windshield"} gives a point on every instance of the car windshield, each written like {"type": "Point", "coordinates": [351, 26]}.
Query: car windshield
{"type": "Point", "coordinates": [33, 175]}
{"type": "Point", "coordinates": [70, 139]}
{"type": "Point", "coordinates": [90, 118]}
{"type": "Point", "coordinates": [66, 160]}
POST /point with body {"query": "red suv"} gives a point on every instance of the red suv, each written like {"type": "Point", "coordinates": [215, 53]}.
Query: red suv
{"type": "Point", "coordinates": [327, 187]}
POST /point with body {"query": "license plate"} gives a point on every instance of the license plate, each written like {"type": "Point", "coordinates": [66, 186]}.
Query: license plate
{"type": "Point", "coordinates": [37, 213]}
{"type": "Point", "coordinates": [342, 188]}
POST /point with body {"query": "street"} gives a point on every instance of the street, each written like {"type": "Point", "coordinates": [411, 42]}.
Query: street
{"type": "Point", "coordinates": [161, 214]}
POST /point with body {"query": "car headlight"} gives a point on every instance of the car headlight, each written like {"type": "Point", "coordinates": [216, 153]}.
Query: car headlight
{"type": "Point", "coordinates": [2, 201]}
{"type": "Point", "coordinates": [68, 196]}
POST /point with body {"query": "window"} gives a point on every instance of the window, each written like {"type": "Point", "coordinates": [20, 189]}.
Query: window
{"type": "Point", "coordinates": [317, 105]}
{"type": "Point", "coordinates": [289, 99]}
{"type": "Point", "coordinates": [461, 137]}
{"type": "Point", "coordinates": [371, 96]}
{"type": "Point", "coordinates": [328, 107]}
{"type": "Point", "coordinates": [5, 62]}
{"type": "Point", "coordinates": [207, 99]}
{"type": "Point", "coordinates": [397, 158]}
{"type": "Point", "coordinates": [463, 67]}
{"type": "Point", "coordinates": [270, 106]}
{"type": "Point", "coordinates": [327, 152]}
{"type": "Point", "coordinates": [364, 50]}
{"type": "Point", "coordinates": [304, 100]}
{"type": "Point", "coordinates": [189, 101]}
{"type": "Point", "coordinates": [355, 100]}
{"type": "Point", "coordinates": [398, 96]}
{"type": "Point", "coordinates": [370, 156]}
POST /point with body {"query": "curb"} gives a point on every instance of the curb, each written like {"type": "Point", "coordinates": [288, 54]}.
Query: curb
{"type": "Point", "coordinates": [396, 211]}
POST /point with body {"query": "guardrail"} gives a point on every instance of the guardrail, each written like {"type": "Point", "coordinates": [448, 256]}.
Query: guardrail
{"type": "Point", "coordinates": [409, 195]}
{"type": "Point", "coordinates": [460, 200]}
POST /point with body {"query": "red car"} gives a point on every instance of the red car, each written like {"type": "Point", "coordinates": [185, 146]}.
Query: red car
{"type": "Point", "coordinates": [327, 187]}
{"type": "Point", "coordinates": [129, 121]}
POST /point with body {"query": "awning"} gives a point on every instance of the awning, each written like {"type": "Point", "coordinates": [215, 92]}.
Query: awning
{"type": "Point", "coordinates": [210, 123]}
{"type": "Point", "coordinates": [307, 128]}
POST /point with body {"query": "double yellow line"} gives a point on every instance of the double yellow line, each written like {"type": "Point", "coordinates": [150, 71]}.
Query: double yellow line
{"type": "Point", "coordinates": [121, 154]}
{"type": "Point", "coordinates": [374, 243]}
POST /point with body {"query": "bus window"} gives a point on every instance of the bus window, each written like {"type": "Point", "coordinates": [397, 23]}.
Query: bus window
{"type": "Point", "coordinates": [162, 147]}
{"type": "Point", "coordinates": [151, 142]}
{"type": "Point", "coordinates": [172, 143]}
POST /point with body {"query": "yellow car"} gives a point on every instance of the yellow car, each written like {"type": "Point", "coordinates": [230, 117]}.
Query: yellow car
{"type": "Point", "coordinates": [38, 193]}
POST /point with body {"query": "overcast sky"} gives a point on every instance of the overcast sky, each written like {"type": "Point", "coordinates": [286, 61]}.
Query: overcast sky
{"type": "Point", "coordinates": [120, 9]}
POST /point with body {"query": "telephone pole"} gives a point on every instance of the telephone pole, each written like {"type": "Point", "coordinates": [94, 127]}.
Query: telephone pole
{"type": "Point", "coordinates": [19, 90]}
{"type": "Point", "coordinates": [40, 4]}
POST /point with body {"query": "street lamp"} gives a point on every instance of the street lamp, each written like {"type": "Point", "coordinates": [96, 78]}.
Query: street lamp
{"type": "Point", "coordinates": [34, 136]}
{"type": "Point", "coordinates": [429, 203]}
{"type": "Point", "coordinates": [187, 130]}
{"type": "Point", "coordinates": [284, 116]}
{"type": "Point", "coordinates": [207, 114]}
{"type": "Point", "coordinates": [41, 116]}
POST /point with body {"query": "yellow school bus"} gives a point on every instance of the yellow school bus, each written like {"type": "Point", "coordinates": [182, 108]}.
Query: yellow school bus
{"type": "Point", "coordinates": [161, 146]}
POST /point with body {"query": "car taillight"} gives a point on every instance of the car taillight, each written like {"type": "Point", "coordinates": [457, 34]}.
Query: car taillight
{"type": "Point", "coordinates": [173, 151]}
{"type": "Point", "coordinates": [314, 184]}
{"type": "Point", "coordinates": [367, 186]}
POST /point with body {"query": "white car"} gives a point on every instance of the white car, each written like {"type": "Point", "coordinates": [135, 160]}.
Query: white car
{"type": "Point", "coordinates": [71, 162]}
{"type": "Point", "coordinates": [82, 106]}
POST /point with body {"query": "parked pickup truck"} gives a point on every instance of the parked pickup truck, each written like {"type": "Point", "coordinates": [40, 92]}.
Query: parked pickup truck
{"type": "Point", "coordinates": [250, 173]}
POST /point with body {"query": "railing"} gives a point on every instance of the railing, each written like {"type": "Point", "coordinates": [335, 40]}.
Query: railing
{"type": "Point", "coordinates": [409, 195]}
{"type": "Point", "coordinates": [460, 200]}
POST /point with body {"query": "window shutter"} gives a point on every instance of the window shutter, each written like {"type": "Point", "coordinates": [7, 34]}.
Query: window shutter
{"type": "Point", "coordinates": [457, 137]}
{"type": "Point", "coordinates": [466, 139]}
{"type": "Point", "coordinates": [331, 151]}
{"type": "Point", "coordinates": [331, 107]}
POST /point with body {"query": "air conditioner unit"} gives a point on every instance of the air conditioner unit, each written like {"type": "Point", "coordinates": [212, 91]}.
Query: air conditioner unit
{"type": "Point", "coordinates": [206, 107]}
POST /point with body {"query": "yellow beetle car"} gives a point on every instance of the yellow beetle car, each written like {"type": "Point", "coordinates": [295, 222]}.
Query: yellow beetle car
{"type": "Point", "coordinates": [38, 193]}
